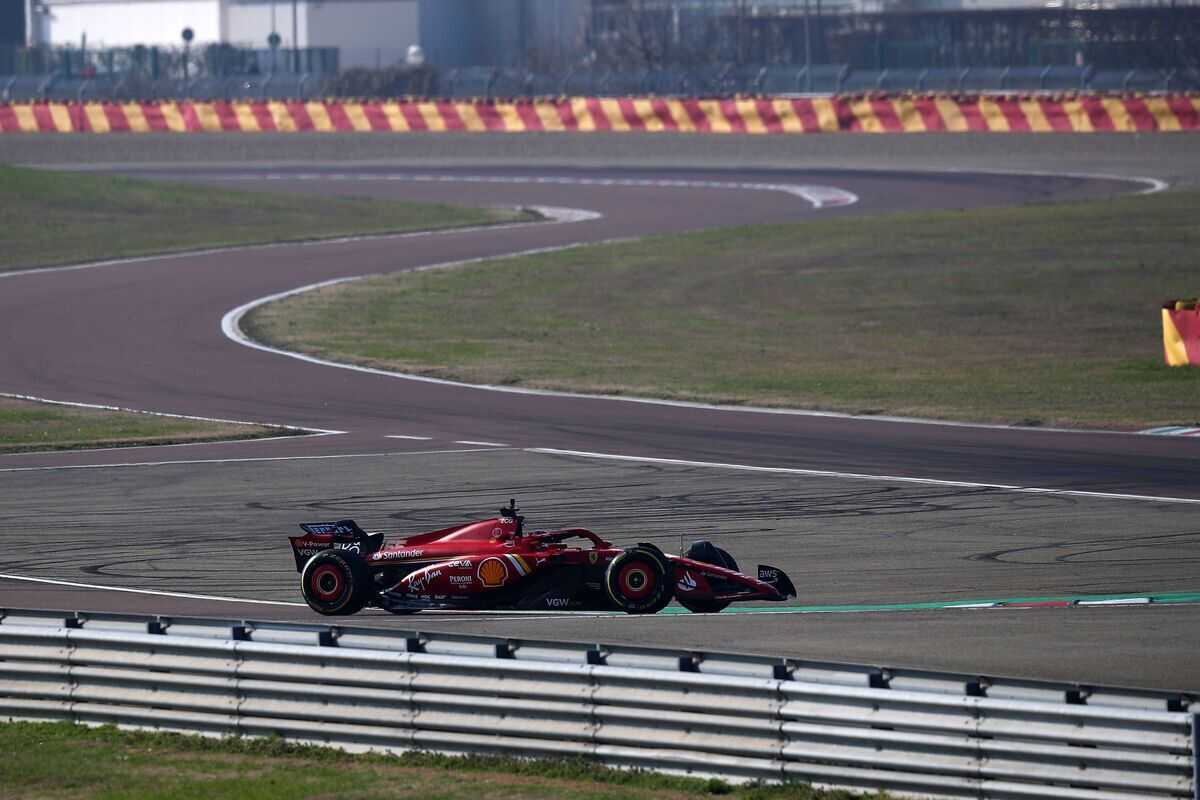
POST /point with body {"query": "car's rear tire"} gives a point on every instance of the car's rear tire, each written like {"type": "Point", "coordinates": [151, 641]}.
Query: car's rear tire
{"type": "Point", "coordinates": [708, 553]}
{"type": "Point", "coordinates": [639, 581]}
{"type": "Point", "coordinates": [335, 583]}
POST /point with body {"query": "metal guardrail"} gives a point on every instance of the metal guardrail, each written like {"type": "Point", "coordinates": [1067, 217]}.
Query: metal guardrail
{"type": "Point", "coordinates": [705, 714]}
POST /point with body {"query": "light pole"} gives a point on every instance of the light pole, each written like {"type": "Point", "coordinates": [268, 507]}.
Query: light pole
{"type": "Point", "coordinates": [188, 34]}
{"type": "Point", "coordinates": [295, 41]}
{"type": "Point", "coordinates": [807, 51]}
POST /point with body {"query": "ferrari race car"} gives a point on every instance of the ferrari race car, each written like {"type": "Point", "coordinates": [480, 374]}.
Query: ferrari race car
{"type": "Point", "coordinates": [495, 564]}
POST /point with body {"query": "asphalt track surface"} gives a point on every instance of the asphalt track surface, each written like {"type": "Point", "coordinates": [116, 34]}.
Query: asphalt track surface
{"type": "Point", "coordinates": [832, 510]}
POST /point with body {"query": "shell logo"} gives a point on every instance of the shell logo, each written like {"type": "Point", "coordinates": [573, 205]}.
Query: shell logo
{"type": "Point", "coordinates": [492, 572]}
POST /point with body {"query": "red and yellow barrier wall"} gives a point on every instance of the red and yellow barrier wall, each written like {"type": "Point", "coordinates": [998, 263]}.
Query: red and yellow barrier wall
{"type": "Point", "coordinates": [882, 114]}
{"type": "Point", "coordinates": [1181, 332]}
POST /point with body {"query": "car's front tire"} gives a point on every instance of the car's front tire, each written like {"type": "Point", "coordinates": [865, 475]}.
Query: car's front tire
{"type": "Point", "coordinates": [639, 581]}
{"type": "Point", "coordinates": [708, 553]}
{"type": "Point", "coordinates": [335, 583]}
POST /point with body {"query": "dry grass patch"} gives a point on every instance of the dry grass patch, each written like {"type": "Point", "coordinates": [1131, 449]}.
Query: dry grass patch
{"type": "Point", "coordinates": [1041, 314]}
{"type": "Point", "coordinates": [30, 427]}
{"type": "Point", "coordinates": [51, 218]}
{"type": "Point", "coordinates": [61, 761]}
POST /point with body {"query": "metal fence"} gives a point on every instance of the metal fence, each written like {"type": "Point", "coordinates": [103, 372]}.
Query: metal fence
{"type": "Point", "coordinates": [486, 82]}
{"type": "Point", "coordinates": [821, 78]}
{"type": "Point", "coordinates": [705, 714]}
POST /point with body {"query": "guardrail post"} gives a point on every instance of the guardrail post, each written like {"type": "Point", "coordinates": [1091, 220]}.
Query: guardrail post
{"type": "Point", "coordinates": [597, 656]}
{"type": "Point", "coordinates": [1195, 756]}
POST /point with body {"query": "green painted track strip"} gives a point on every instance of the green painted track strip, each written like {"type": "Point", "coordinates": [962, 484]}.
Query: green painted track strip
{"type": "Point", "coordinates": [1170, 598]}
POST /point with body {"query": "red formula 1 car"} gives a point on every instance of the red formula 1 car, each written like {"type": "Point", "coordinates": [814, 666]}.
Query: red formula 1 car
{"type": "Point", "coordinates": [495, 564]}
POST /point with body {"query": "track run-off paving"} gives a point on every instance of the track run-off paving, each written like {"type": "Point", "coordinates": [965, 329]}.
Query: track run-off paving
{"type": "Point", "coordinates": [897, 523]}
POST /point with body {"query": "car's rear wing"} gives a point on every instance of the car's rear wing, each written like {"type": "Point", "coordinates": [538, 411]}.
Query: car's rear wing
{"type": "Point", "coordinates": [342, 535]}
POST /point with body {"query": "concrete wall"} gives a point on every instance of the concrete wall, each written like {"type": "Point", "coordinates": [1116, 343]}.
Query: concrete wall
{"type": "Point", "coordinates": [248, 24]}
{"type": "Point", "coordinates": [370, 33]}
{"type": "Point", "coordinates": [506, 33]}
{"type": "Point", "coordinates": [123, 23]}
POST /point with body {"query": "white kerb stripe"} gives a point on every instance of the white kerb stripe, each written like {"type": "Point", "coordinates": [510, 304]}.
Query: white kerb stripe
{"type": "Point", "coordinates": [824, 473]}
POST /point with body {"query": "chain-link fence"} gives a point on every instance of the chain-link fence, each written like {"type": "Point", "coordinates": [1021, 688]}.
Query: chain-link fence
{"type": "Point", "coordinates": [485, 82]}
{"type": "Point", "coordinates": [719, 81]}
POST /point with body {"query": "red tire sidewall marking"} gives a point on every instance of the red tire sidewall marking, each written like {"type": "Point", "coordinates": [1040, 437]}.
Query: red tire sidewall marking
{"type": "Point", "coordinates": [315, 582]}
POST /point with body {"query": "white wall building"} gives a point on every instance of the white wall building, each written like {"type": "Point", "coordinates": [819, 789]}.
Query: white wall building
{"type": "Point", "coordinates": [367, 32]}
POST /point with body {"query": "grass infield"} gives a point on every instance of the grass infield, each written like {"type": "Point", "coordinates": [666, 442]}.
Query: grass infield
{"type": "Point", "coordinates": [32, 427]}
{"type": "Point", "coordinates": [49, 218]}
{"type": "Point", "coordinates": [1033, 315]}
{"type": "Point", "coordinates": [54, 761]}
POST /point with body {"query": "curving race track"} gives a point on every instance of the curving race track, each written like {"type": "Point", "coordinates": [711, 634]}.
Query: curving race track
{"type": "Point", "coordinates": [858, 510]}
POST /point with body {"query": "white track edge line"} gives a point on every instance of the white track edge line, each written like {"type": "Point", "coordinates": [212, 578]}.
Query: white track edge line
{"type": "Point", "coordinates": [155, 592]}
{"type": "Point", "coordinates": [553, 214]}
{"type": "Point", "coordinates": [101, 407]}
{"type": "Point", "coordinates": [471, 615]}
{"type": "Point", "coordinates": [441, 613]}
{"type": "Point", "coordinates": [821, 473]}
{"type": "Point", "coordinates": [817, 195]}
{"type": "Point", "coordinates": [1153, 185]}
{"type": "Point", "coordinates": [250, 459]}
